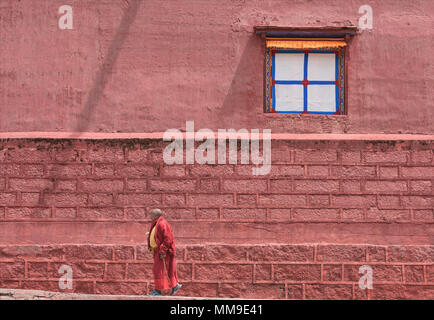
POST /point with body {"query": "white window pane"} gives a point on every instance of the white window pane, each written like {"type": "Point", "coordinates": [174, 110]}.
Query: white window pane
{"type": "Point", "coordinates": [289, 66]}
{"type": "Point", "coordinates": [321, 98]}
{"type": "Point", "coordinates": [321, 67]}
{"type": "Point", "coordinates": [289, 97]}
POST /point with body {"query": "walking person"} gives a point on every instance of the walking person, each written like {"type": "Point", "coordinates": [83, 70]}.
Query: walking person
{"type": "Point", "coordinates": [161, 244]}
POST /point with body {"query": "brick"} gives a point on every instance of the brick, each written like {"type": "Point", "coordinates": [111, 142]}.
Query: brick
{"type": "Point", "coordinates": [2, 213]}
{"type": "Point", "coordinates": [12, 270]}
{"type": "Point", "coordinates": [417, 201]}
{"type": "Point", "coordinates": [386, 186]}
{"type": "Point", "coordinates": [173, 171]}
{"type": "Point", "coordinates": [387, 215]}
{"type": "Point", "coordinates": [262, 272]}
{"type": "Point", "coordinates": [286, 170]}
{"type": "Point", "coordinates": [280, 154]}
{"type": "Point", "coordinates": [386, 157]}
{"type": "Point", "coordinates": [32, 170]}
{"type": "Point", "coordinates": [101, 199]}
{"type": "Point", "coordinates": [380, 273]}
{"type": "Point", "coordinates": [100, 213]}
{"type": "Point", "coordinates": [115, 271]}
{"type": "Point", "coordinates": [353, 214]}
{"type": "Point", "coordinates": [328, 291]}
{"type": "Point", "coordinates": [316, 214]}
{"type": "Point", "coordinates": [425, 156]}
{"type": "Point", "coordinates": [402, 292]}
{"type": "Point", "coordinates": [66, 185]}
{"type": "Point", "coordinates": [30, 198]}
{"type": "Point", "coordinates": [246, 199]}
{"type": "Point", "coordinates": [66, 213]}
{"type": "Point", "coordinates": [319, 200]}
{"type": "Point", "coordinates": [212, 272]}
{"type": "Point", "coordinates": [65, 155]}
{"type": "Point", "coordinates": [423, 215]}
{"type": "Point", "coordinates": [388, 172]}
{"type": "Point", "coordinates": [354, 171]}
{"type": "Point", "coordinates": [287, 253]}
{"type": "Point", "coordinates": [7, 198]}
{"type": "Point", "coordinates": [206, 214]}
{"type": "Point", "coordinates": [140, 271]}
{"type": "Point", "coordinates": [295, 291]}
{"type": "Point", "coordinates": [88, 252]}
{"type": "Point", "coordinates": [322, 171]}
{"type": "Point", "coordinates": [192, 289]}
{"type": "Point", "coordinates": [136, 171]}
{"type": "Point", "coordinates": [280, 214]}
{"type": "Point", "coordinates": [138, 155]}
{"type": "Point", "coordinates": [104, 170]}
{"type": "Point", "coordinates": [244, 214]}
{"type": "Point", "coordinates": [345, 201]}
{"type": "Point", "coordinates": [101, 185]}
{"type": "Point", "coordinates": [278, 200]}
{"type": "Point", "coordinates": [172, 185]}
{"type": "Point", "coordinates": [376, 254]}
{"type": "Point", "coordinates": [43, 285]}
{"type": "Point", "coordinates": [28, 213]}
{"type": "Point", "coordinates": [37, 270]}
{"type": "Point", "coordinates": [179, 213]}
{"type": "Point", "coordinates": [65, 199]}
{"type": "Point", "coordinates": [216, 253]}
{"type": "Point", "coordinates": [127, 288]}
{"type": "Point", "coordinates": [421, 187]}
{"type": "Point", "coordinates": [137, 185]}
{"type": "Point", "coordinates": [430, 273]}
{"type": "Point", "coordinates": [10, 170]}
{"type": "Point", "coordinates": [417, 172]}
{"type": "Point", "coordinates": [350, 186]}
{"type": "Point", "coordinates": [142, 253]}
{"type": "Point", "coordinates": [341, 253]}
{"type": "Point", "coordinates": [281, 186]}
{"type": "Point", "coordinates": [31, 251]}
{"type": "Point", "coordinates": [315, 156]}
{"type": "Point", "coordinates": [297, 272]}
{"type": "Point", "coordinates": [68, 170]}
{"type": "Point", "coordinates": [139, 199]}
{"type": "Point", "coordinates": [175, 200]}
{"type": "Point", "coordinates": [30, 184]}
{"type": "Point", "coordinates": [351, 156]}
{"type": "Point", "coordinates": [332, 272]}
{"type": "Point", "coordinates": [411, 253]}
{"type": "Point", "coordinates": [103, 155]}
{"type": "Point", "coordinates": [414, 273]}
{"type": "Point", "coordinates": [252, 291]}
{"type": "Point", "coordinates": [209, 185]}
{"type": "Point", "coordinates": [28, 155]}
{"type": "Point", "coordinates": [211, 200]}
{"type": "Point", "coordinates": [212, 170]}
{"type": "Point", "coordinates": [136, 213]}
{"type": "Point", "coordinates": [245, 186]}
{"type": "Point", "coordinates": [388, 202]}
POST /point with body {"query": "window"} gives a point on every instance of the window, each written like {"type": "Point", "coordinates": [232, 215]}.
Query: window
{"type": "Point", "coordinates": [305, 75]}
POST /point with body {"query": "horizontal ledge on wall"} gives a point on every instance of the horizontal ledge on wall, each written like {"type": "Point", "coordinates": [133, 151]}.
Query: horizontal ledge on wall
{"type": "Point", "coordinates": [274, 136]}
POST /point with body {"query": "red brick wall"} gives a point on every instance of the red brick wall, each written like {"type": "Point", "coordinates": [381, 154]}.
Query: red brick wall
{"type": "Point", "coordinates": [302, 231]}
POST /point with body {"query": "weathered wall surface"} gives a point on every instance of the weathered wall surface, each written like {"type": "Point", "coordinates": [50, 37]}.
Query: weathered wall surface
{"type": "Point", "coordinates": [300, 232]}
{"type": "Point", "coordinates": [152, 65]}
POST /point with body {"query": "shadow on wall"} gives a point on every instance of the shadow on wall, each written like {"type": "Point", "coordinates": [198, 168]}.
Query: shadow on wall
{"type": "Point", "coordinates": [106, 68]}
{"type": "Point", "coordinates": [243, 104]}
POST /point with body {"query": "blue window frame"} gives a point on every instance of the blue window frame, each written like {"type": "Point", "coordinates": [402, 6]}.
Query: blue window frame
{"type": "Point", "coordinates": [334, 101]}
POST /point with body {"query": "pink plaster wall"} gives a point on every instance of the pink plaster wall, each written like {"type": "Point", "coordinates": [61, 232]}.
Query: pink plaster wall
{"type": "Point", "coordinates": [151, 65]}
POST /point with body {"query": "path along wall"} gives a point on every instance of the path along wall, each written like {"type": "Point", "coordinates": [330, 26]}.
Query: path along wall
{"type": "Point", "coordinates": [301, 232]}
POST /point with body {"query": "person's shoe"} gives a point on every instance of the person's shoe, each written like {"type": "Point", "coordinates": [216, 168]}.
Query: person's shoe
{"type": "Point", "coordinates": [176, 288]}
{"type": "Point", "coordinates": [155, 293]}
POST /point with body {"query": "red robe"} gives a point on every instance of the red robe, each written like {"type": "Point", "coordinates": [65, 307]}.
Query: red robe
{"type": "Point", "coordinates": [165, 275]}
